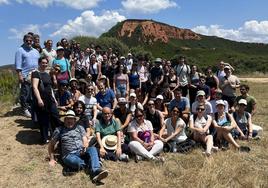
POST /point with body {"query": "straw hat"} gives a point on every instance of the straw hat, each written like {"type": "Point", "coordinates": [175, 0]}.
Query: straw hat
{"type": "Point", "coordinates": [109, 142]}
{"type": "Point", "coordinates": [69, 114]}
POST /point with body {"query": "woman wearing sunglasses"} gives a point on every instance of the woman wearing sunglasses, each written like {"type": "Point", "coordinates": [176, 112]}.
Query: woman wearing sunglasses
{"type": "Point", "coordinates": [142, 141]}
{"type": "Point", "coordinates": [199, 124]}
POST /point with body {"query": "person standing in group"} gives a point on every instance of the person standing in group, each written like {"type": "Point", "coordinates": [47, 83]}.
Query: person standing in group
{"type": "Point", "coordinates": [44, 103]}
{"type": "Point", "coordinates": [26, 60]}
{"type": "Point", "coordinates": [183, 71]}
{"type": "Point", "coordinates": [49, 53]}
{"type": "Point", "coordinates": [228, 85]}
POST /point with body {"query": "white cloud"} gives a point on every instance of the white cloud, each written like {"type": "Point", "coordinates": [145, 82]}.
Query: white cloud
{"type": "Point", "coordinates": [76, 4]}
{"type": "Point", "coordinates": [4, 2]}
{"type": "Point", "coordinates": [147, 6]}
{"type": "Point", "coordinates": [251, 31]}
{"type": "Point", "coordinates": [89, 24]}
{"type": "Point", "coordinates": [17, 33]}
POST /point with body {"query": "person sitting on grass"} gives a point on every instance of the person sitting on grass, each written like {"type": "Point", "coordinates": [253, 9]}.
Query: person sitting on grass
{"type": "Point", "coordinates": [75, 153]}
{"type": "Point", "coordinates": [107, 125]}
{"type": "Point", "coordinates": [199, 123]}
{"type": "Point", "coordinates": [142, 141]}
{"type": "Point", "coordinates": [224, 124]}
{"type": "Point", "coordinates": [175, 127]}
{"type": "Point", "coordinates": [244, 129]}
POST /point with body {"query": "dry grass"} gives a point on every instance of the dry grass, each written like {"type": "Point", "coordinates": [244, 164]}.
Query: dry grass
{"type": "Point", "coordinates": [23, 161]}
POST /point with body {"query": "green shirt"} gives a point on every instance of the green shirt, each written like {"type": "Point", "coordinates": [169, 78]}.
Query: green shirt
{"type": "Point", "coordinates": [251, 101]}
{"type": "Point", "coordinates": [110, 129]}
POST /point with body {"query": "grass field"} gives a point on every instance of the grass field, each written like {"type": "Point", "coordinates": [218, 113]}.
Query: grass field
{"type": "Point", "coordinates": [23, 161]}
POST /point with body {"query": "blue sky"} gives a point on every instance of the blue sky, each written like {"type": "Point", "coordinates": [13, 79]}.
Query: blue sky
{"type": "Point", "coordinates": [240, 20]}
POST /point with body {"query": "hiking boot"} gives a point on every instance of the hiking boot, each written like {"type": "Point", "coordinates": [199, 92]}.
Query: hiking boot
{"type": "Point", "coordinates": [124, 157]}
{"type": "Point", "coordinates": [99, 175]}
{"type": "Point", "coordinates": [27, 113]}
{"type": "Point", "coordinates": [244, 149]}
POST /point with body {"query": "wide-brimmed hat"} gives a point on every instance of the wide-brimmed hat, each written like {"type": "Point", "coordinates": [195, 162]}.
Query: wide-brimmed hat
{"type": "Point", "coordinates": [243, 101]}
{"type": "Point", "coordinates": [69, 114]}
{"type": "Point", "coordinates": [109, 142]}
{"type": "Point", "coordinates": [220, 102]}
{"type": "Point", "coordinates": [73, 80]}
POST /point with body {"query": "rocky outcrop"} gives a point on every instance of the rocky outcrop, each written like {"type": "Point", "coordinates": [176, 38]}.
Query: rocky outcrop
{"type": "Point", "coordinates": [151, 31]}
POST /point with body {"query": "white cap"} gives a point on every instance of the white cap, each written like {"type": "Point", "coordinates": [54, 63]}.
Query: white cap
{"type": "Point", "coordinates": [242, 101]}
{"type": "Point", "coordinates": [159, 97]}
{"type": "Point", "coordinates": [218, 102]}
{"type": "Point", "coordinates": [133, 95]}
{"type": "Point", "coordinates": [200, 93]}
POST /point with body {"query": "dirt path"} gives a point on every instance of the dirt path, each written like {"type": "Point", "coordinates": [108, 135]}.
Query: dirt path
{"type": "Point", "coordinates": [256, 80]}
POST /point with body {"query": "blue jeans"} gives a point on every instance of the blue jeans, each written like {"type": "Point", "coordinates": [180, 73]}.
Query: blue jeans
{"type": "Point", "coordinates": [89, 160]}
{"type": "Point", "coordinates": [121, 90]}
{"type": "Point", "coordinates": [25, 95]}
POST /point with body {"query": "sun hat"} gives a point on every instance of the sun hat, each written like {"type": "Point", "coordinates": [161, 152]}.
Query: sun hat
{"type": "Point", "coordinates": [227, 67]}
{"type": "Point", "coordinates": [218, 91]}
{"type": "Point", "coordinates": [129, 54]}
{"type": "Point", "coordinates": [69, 114]}
{"type": "Point", "coordinates": [122, 100]}
{"type": "Point", "coordinates": [103, 77]}
{"type": "Point", "coordinates": [59, 48]}
{"type": "Point", "coordinates": [82, 80]}
{"type": "Point", "coordinates": [218, 102]}
{"type": "Point", "coordinates": [200, 93]}
{"type": "Point", "coordinates": [243, 101]}
{"type": "Point", "coordinates": [133, 95]}
{"type": "Point", "coordinates": [160, 97]}
{"type": "Point", "coordinates": [109, 142]}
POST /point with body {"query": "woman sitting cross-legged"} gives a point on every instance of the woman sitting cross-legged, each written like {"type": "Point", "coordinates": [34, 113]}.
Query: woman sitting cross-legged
{"type": "Point", "coordinates": [142, 141]}
{"type": "Point", "coordinates": [175, 127]}
{"type": "Point", "coordinates": [199, 124]}
{"type": "Point", "coordinates": [224, 124]}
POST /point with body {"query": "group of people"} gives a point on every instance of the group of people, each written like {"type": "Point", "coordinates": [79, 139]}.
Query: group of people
{"type": "Point", "coordinates": [94, 104]}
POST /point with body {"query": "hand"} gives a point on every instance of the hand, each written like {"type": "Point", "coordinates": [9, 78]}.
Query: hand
{"type": "Point", "coordinates": [243, 137]}
{"type": "Point", "coordinates": [249, 137]}
{"type": "Point", "coordinates": [41, 103]}
{"type": "Point", "coordinates": [102, 152]}
{"type": "Point", "coordinates": [118, 152]}
{"type": "Point", "coordinates": [52, 162]}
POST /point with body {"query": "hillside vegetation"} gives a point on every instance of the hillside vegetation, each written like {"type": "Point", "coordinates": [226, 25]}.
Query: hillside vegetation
{"type": "Point", "coordinates": [245, 57]}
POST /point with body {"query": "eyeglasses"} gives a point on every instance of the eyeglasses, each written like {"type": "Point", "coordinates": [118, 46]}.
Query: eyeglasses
{"type": "Point", "coordinates": [202, 109]}
{"type": "Point", "coordinates": [151, 104]}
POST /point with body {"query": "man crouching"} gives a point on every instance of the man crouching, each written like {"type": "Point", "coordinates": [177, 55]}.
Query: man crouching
{"type": "Point", "coordinates": [75, 152]}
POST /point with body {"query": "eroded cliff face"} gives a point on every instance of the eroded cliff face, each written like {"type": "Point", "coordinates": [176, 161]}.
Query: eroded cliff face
{"type": "Point", "coordinates": [151, 31]}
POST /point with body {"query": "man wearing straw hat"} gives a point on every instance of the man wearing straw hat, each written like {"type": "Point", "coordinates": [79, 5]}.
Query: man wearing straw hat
{"type": "Point", "coordinates": [75, 152]}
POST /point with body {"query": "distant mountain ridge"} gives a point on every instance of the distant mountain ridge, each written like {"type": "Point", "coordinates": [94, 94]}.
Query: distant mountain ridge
{"type": "Point", "coordinates": [165, 41]}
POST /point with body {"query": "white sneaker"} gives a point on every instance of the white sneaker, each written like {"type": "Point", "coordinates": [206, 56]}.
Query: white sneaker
{"type": "Point", "coordinates": [124, 157]}
{"type": "Point", "coordinates": [26, 113]}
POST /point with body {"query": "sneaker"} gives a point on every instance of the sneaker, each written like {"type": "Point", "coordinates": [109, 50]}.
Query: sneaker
{"type": "Point", "coordinates": [99, 175]}
{"type": "Point", "coordinates": [244, 149]}
{"type": "Point", "coordinates": [124, 157]}
{"type": "Point", "coordinates": [215, 149]}
{"type": "Point", "coordinates": [138, 158]}
{"type": "Point", "coordinates": [27, 113]}
{"type": "Point", "coordinates": [66, 171]}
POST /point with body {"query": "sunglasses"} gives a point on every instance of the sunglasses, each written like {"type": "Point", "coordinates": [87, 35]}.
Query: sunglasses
{"type": "Point", "coordinates": [139, 116]}
{"type": "Point", "coordinates": [151, 104]}
{"type": "Point", "coordinates": [202, 109]}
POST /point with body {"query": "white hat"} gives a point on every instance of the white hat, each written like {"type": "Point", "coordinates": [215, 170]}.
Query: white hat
{"type": "Point", "coordinates": [59, 48]}
{"type": "Point", "coordinates": [227, 67]}
{"type": "Point", "coordinates": [109, 142]}
{"type": "Point", "coordinates": [122, 57]}
{"type": "Point", "coordinates": [218, 102]}
{"type": "Point", "coordinates": [73, 79]}
{"type": "Point", "coordinates": [159, 97]}
{"type": "Point", "coordinates": [129, 54]}
{"type": "Point", "coordinates": [242, 101]}
{"type": "Point", "coordinates": [133, 95]}
{"type": "Point", "coordinates": [122, 100]}
{"type": "Point", "coordinates": [69, 114]}
{"type": "Point", "coordinates": [200, 93]}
